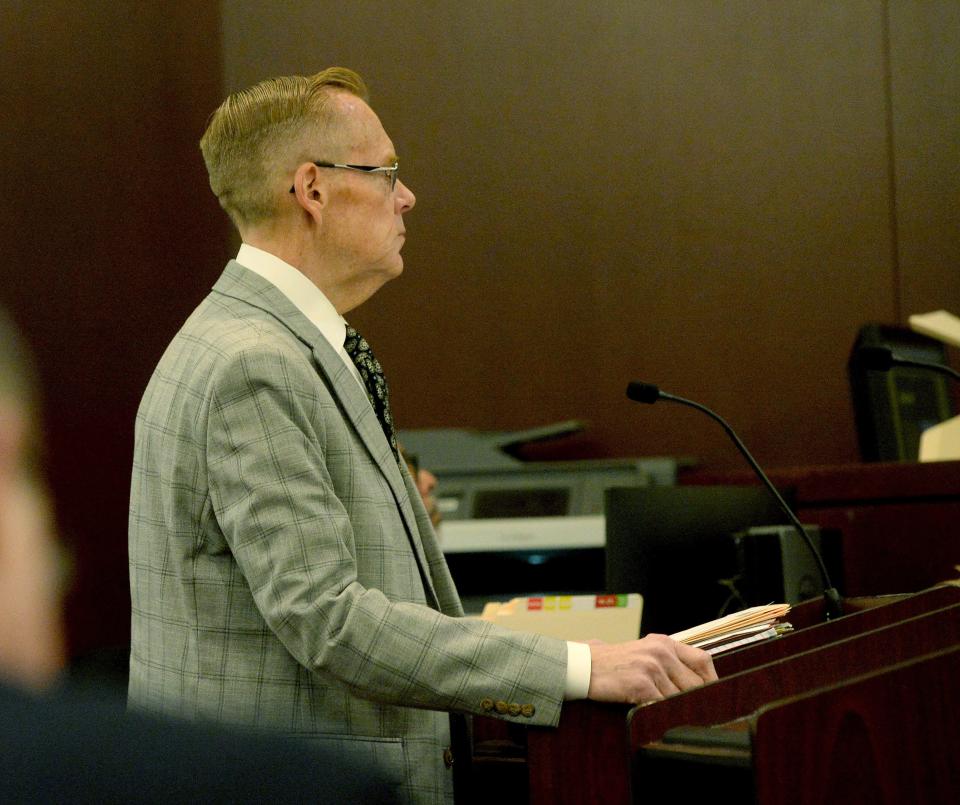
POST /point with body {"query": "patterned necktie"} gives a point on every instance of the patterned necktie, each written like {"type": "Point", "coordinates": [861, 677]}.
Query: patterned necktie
{"type": "Point", "coordinates": [371, 372]}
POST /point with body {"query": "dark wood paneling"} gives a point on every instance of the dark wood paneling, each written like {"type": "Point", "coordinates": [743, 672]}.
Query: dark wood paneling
{"type": "Point", "coordinates": [566, 768]}
{"type": "Point", "coordinates": [896, 522]}
{"type": "Point", "coordinates": [861, 615]}
{"type": "Point", "coordinates": [887, 737]}
{"type": "Point", "coordinates": [739, 695]}
{"type": "Point", "coordinates": [925, 99]}
{"type": "Point", "coordinates": [696, 194]}
{"type": "Point", "coordinates": [109, 238]}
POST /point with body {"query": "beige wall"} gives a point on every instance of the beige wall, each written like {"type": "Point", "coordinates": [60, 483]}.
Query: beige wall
{"type": "Point", "coordinates": [712, 196]}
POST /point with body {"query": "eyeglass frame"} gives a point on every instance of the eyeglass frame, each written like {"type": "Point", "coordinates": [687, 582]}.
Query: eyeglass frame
{"type": "Point", "coordinates": [392, 170]}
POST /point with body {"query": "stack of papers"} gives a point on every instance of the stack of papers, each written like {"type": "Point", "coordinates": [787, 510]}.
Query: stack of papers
{"type": "Point", "coordinates": [737, 630]}
{"type": "Point", "coordinates": [939, 324]}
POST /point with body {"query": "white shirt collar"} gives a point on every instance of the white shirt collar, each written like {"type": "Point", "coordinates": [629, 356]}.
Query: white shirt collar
{"type": "Point", "coordinates": [292, 283]}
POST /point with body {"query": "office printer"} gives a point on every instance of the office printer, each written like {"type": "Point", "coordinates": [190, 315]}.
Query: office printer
{"type": "Point", "coordinates": [513, 527]}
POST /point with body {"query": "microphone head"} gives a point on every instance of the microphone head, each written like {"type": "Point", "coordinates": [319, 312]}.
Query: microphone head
{"type": "Point", "coordinates": [643, 392]}
{"type": "Point", "coordinates": [880, 359]}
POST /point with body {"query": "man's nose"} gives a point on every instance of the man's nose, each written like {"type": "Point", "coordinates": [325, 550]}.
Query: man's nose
{"type": "Point", "coordinates": [405, 198]}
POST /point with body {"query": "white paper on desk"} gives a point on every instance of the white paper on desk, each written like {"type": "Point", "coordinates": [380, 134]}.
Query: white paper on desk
{"type": "Point", "coordinates": [939, 324]}
{"type": "Point", "coordinates": [729, 623]}
{"type": "Point", "coordinates": [730, 637]}
{"type": "Point", "coordinates": [767, 634]}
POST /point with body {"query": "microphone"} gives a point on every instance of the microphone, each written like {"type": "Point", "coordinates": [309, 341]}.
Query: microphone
{"type": "Point", "coordinates": [649, 394]}
{"type": "Point", "coordinates": [882, 359]}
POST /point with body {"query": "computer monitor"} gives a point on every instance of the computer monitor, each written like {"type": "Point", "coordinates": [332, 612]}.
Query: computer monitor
{"type": "Point", "coordinates": [674, 546]}
{"type": "Point", "coordinates": [893, 408]}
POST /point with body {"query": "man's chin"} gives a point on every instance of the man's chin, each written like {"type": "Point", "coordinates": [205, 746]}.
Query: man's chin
{"type": "Point", "coordinates": [389, 272]}
{"type": "Point", "coordinates": [396, 269]}
{"type": "Point", "coordinates": [386, 271]}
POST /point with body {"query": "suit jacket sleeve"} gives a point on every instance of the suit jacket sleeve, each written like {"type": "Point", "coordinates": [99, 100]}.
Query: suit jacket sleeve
{"type": "Point", "coordinates": [285, 514]}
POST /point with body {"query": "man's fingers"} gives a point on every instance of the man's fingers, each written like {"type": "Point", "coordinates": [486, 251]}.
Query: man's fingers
{"type": "Point", "coordinates": [697, 660]}
{"type": "Point", "coordinates": [665, 685]}
{"type": "Point", "coordinates": [684, 677]}
{"type": "Point", "coordinates": [646, 670]}
{"type": "Point", "coordinates": [682, 665]}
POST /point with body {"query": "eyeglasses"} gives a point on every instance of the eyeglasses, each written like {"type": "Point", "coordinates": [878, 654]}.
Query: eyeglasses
{"type": "Point", "coordinates": [390, 171]}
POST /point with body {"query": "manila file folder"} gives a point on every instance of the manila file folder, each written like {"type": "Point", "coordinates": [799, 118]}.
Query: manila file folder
{"type": "Point", "coordinates": [612, 618]}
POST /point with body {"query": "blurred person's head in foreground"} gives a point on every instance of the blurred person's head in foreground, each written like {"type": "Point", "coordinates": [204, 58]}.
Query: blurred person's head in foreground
{"type": "Point", "coordinates": [31, 631]}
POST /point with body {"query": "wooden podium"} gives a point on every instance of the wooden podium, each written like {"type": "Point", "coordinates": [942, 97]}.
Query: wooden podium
{"type": "Point", "coordinates": [860, 709]}
{"type": "Point", "coordinates": [793, 720]}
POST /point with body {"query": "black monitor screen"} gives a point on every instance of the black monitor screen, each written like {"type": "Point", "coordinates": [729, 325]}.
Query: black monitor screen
{"type": "Point", "coordinates": [673, 545]}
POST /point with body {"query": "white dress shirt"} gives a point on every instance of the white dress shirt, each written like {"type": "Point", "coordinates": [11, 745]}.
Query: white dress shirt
{"type": "Point", "coordinates": [313, 303]}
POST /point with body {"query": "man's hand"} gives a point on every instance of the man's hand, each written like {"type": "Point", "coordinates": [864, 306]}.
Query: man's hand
{"type": "Point", "coordinates": [644, 670]}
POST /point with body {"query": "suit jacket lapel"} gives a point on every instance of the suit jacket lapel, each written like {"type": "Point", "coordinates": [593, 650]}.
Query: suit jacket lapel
{"type": "Point", "coordinates": [361, 415]}
{"type": "Point", "coordinates": [241, 283]}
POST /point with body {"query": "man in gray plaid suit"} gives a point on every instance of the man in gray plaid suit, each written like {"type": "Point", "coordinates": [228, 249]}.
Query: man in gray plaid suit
{"type": "Point", "coordinates": [283, 570]}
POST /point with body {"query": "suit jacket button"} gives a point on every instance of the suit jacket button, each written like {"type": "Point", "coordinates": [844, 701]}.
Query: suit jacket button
{"type": "Point", "coordinates": [486, 704]}
{"type": "Point", "coordinates": [514, 709]}
{"type": "Point", "coordinates": [447, 757]}
{"type": "Point", "coordinates": [528, 710]}
{"type": "Point", "coordinates": [502, 707]}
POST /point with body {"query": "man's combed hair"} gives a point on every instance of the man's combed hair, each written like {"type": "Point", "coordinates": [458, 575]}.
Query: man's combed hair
{"type": "Point", "coordinates": [256, 130]}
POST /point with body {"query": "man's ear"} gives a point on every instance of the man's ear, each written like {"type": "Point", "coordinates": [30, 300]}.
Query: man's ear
{"type": "Point", "coordinates": [310, 191]}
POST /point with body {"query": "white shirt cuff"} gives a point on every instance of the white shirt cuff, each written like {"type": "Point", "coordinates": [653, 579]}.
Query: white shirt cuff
{"type": "Point", "coordinates": [578, 671]}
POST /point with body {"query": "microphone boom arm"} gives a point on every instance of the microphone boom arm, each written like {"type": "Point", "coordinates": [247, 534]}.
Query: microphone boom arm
{"type": "Point", "coordinates": [645, 392]}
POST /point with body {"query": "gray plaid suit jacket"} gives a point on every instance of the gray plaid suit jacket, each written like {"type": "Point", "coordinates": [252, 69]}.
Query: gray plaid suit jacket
{"type": "Point", "coordinates": [283, 570]}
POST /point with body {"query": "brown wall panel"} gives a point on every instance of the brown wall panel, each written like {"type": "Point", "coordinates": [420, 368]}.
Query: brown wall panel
{"type": "Point", "coordinates": [925, 103]}
{"type": "Point", "coordinates": [108, 239]}
{"type": "Point", "coordinates": [693, 193]}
